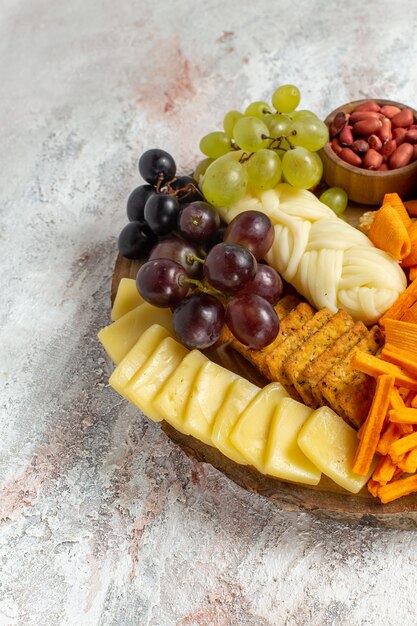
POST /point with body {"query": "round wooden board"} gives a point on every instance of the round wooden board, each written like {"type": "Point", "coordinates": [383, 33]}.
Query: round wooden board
{"type": "Point", "coordinates": [326, 500]}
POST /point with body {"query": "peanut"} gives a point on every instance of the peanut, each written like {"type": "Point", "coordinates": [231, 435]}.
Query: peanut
{"type": "Point", "coordinates": [372, 160]}
{"type": "Point", "coordinates": [411, 135]}
{"type": "Point", "coordinates": [367, 127]}
{"type": "Point", "coordinates": [374, 142]}
{"type": "Point", "coordinates": [360, 145]}
{"type": "Point", "coordinates": [398, 134]}
{"type": "Point", "coordinates": [339, 122]}
{"type": "Point", "coordinates": [335, 143]}
{"type": "Point", "coordinates": [403, 118]}
{"type": "Point", "coordinates": [358, 116]}
{"type": "Point", "coordinates": [388, 148]}
{"type": "Point", "coordinates": [383, 168]}
{"type": "Point", "coordinates": [389, 110]}
{"type": "Point", "coordinates": [346, 136]}
{"type": "Point", "coordinates": [347, 155]}
{"type": "Point", "coordinates": [401, 156]}
{"type": "Point", "coordinates": [369, 105]}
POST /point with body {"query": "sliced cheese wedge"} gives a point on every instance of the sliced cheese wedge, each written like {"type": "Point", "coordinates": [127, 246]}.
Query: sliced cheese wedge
{"type": "Point", "coordinates": [146, 383]}
{"type": "Point", "coordinates": [251, 431]}
{"type": "Point", "coordinates": [331, 445]}
{"type": "Point", "coordinates": [238, 397]}
{"type": "Point", "coordinates": [207, 396]}
{"type": "Point", "coordinates": [127, 298]}
{"type": "Point", "coordinates": [118, 338]}
{"type": "Point", "coordinates": [283, 456]}
{"type": "Point", "coordinates": [137, 356]}
{"type": "Point", "coordinates": [172, 399]}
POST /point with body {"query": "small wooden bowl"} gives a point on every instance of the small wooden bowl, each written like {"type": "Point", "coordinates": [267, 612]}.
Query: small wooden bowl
{"type": "Point", "coordinates": [367, 186]}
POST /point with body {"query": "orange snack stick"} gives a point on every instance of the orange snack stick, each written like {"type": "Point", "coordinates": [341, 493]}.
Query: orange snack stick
{"type": "Point", "coordinates": [401, 446]}
{"type": "Point", "coordinates": [390, 434]}
{"type": "Point", "coordinates": [384, 471]}
{"type": "Point", "coordinates": [395, 399]}
{"type": "Point", "coordinates": [403, 416]}
{"type": "Point", "coordinates": [412, 272]}
{"type": "Point", "coordinates": [401, 335]}
{"type": "Point", "coordinates": [409, 463]}
{"type": "Point", "coordinates": [373, 366]}
{"type": "Point", "coordinates": [405, 429]}
{"type": "Point", "coordinates": [397, 488]}
{"type": "Point", "coordinates": [410, 315]}
{"type": "Point", "coordinates": [373, 487]}
{"type": "Point", "coordinates": [397, 204]}
{"type": "Point", "coordinates": [389, 233]}
{"type": "Point", "coordinates": [414, 402]}
{"type": "Point", "coordinates": [404, 359]}
{"type": "Point", "coordinates": [373, 425]}
{"type": "Point", "coordinates": [402, 304]}
{"type": "Point", "coordinates": [411, 258]}
{"type": "Point", "coordinates": [411, 206]}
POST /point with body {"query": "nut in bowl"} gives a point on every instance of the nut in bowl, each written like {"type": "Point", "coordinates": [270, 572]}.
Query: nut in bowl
{"type": "Point", "coordinates": [368, 147]}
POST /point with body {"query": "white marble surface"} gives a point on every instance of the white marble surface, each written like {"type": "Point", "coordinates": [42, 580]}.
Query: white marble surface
{"type": "Point", "coordinates": [103, 520]}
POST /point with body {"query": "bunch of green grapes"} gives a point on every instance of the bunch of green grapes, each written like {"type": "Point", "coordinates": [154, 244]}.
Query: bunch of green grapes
{"type": "Point", "coordinates": [262, 146]}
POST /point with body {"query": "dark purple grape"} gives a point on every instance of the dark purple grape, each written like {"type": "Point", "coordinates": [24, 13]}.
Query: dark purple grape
{"type": "Point", "coordinates": [187, 189]}
{"type": "Point", "coordinates": [253, 230]}
{"type": "Point", "coordinates": [162, 282]}
{"type": "Point", "coordinates": [179, 251]}
{"type": "Point", "coordinates": [198, 320]}
{"type": "Point", "coordinates": [137, 200]}
{"type": "Point", "coordinates": [198, 221]}
{"type": "Point", "coordinates": [156, 166]}
{"type": "Point", "coordinates": [161, 213]}
{"type": "Point", "coordinates": [252, 320]}
{"type": "Point", "coordinates": [229, 267]}
{"type": "Point", "coordinates": [267, 284]}
{"type": "Point", "coordinates": [136, 240]}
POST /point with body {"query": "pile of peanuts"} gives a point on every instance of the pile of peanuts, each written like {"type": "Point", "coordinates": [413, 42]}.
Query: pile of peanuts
{"type": "Point", "coordinates": [375, 137]}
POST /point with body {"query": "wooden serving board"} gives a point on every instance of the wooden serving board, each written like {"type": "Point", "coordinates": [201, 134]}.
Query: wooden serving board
{"type": "Point", "coordinates": [327, 500]}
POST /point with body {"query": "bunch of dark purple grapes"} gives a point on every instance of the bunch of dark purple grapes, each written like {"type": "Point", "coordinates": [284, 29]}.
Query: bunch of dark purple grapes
{"type": "Point", "coordinates": [154, 209]}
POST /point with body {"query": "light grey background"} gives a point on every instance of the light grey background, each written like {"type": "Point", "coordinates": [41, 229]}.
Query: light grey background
{"type": "Point", "coordinates": [103, 520]}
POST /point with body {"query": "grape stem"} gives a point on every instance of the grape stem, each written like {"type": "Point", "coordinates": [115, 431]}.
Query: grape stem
{"type": "Point", "coordinates": [279, 140]}
{"type": "Point", "coordinates": [190, 258]}
{"type": "Point", "coordinates": [203, 287]}
{"type": "Point", "coordinates": [245, 157]}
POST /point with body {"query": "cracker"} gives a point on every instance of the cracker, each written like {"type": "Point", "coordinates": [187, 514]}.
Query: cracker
{"type": "Point", "coordinates": [348, 391]}
{"type": "Point", "coordinates": [312, 348]}
{"type": "Point", "coordinates": [275, 360]}
{"type": "Point", "coordinates": [316, 370]}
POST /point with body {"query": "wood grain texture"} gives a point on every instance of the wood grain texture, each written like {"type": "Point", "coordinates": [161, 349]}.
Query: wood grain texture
{"type": "Point", "coordinates": [365, 186]}
{"type": "Point", "coordinates": [327, 500]}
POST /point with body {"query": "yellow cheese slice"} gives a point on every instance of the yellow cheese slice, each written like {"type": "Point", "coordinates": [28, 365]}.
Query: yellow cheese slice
{"type": "Point", "coordinates": [118, 338]}
{"type": "Point", "coordinates": [207, 396]}
{"type": "Point", "coordinates": [172, 399]}
{"type": "Point", "coordinates": [240, 394]}
{"type": "Point", "coordinates": [145, 384]}
{"type": "Point", "coordinates": [331, 445]}
{"type": "Point", "coordinates": [251, 431]}
{"type": "Point", "coordinates": [283, 456]}
{"type": "Point", "coordinates": [127, 298]}
{"type": "Point", "coordinates": [136, 357]}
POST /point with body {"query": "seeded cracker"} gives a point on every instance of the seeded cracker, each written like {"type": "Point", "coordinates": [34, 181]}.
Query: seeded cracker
{"type": "Point", "coordinates": [348, 391]}
{"type": "Point", "coordinates": [315, 371]}
{"type": "Point", "coordinates": [275, 360]}
{"type": "Point", "coordinates": [312, 348]}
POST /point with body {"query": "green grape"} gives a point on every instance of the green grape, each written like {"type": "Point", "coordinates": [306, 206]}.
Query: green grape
{"type": "Point", "coordinates": [264, 169]}
{"type": "Point", "coordinates": [251, 134]}
{"type": "Point", "coordinates": [310, 133]}
{"type": "Point", "coordinates": [257, 109]}
{"type": "Point", "coordinates": [301, 168]}
{"type": "Point", "coordinates": [224, 182]}
{"type": "Point", "coordinates": [230, 120]}
{"type": "Point", "coordinates": [286, 98]}
{"type": "Point", "coordinates": [278, 125]}
{"type": "Point", "coordinates": [301, 113]}
{"type": "Point", "coordinates": [214, 145]}
{"type": "Point", "coordinates": [201, 167]}
{"type": "Point", "coordinates": [336, 198]}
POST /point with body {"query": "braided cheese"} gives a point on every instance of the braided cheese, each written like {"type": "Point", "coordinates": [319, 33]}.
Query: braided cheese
{"type": "Point", "coordinates": [328, 261]}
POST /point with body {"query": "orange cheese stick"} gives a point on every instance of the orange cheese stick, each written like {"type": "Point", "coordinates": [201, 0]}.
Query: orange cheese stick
{"type": "Point", "coordinates": [384, 471]}
{"type": "Point", "coordinates": [390, 434]}
{"type": "Point", "coordinates": [372, 365]}
{"type": "Point", "coordinates": [373, 425]}
{"type": "Point", "coordinates": [402, 304]}
{"type": "Point", "coordinates": [404, 359]}
{"type": "Point", "coordinates": [403, 416]}
{"type": "Point", "coordinates": [398, 488]}
{"type": "Point", "coordinates": [389, 233]}
{"type": "Point", "coordinates": [401, 446]}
